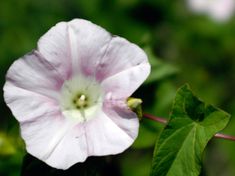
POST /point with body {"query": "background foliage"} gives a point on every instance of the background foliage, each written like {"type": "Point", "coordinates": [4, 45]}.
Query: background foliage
{"type": "Point", "coordinates": [182, 47]}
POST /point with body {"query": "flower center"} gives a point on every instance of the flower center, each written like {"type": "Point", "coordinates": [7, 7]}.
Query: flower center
{"type": "Point", "coordinates": [80, 98]}
{"type": "Point", "coordinates": [80, 101]}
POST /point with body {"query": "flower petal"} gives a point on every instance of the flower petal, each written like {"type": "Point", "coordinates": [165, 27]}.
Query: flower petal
{"type": "Point", "coordinates": [72, 149]}
{"type": "Point", "coordinates": [57, 141]}
{"type": "Point", "coordinates": [34, 73]}
{"type": "Point", "coordinates": [221, 10]}
{"type": "Point", "coordinates": [88, 44]}
{"type": "Point", "coordinates": [27, 105]}
{"type": "Point", "coordinates": [123, 84]}
{"type": "Point", "coordinates": [119, 56]}
{"type": "Point", "coordinates": [122, 116]}
{"type": "Point", "coordinates": [55, 47]}
{"type": "Point", "coordinates": [105, 137]}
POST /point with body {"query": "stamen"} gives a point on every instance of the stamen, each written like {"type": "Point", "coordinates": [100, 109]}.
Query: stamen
{"type": "Point", "coordinates": [81, 101]}
{"type": "Point", "coordinates": [82, 97]}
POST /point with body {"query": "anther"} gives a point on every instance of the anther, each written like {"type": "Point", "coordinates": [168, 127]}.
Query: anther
{"type": "Point", "coordinates": [81, 101]}
{"type": "Point", "coordinates": [82, 98]}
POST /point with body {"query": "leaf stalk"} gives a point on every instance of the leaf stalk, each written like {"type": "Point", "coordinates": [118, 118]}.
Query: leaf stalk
{"type": "Point", "coordinates": [164, 121]}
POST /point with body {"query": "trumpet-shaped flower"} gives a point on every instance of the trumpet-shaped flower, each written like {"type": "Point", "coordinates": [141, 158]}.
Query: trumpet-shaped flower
{"type": "Point", "coordinates": [219, 10]}
{"type": "Point", "coordinates": [69, 94]}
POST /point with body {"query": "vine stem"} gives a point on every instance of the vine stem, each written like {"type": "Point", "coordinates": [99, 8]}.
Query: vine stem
{"type": "Point", "coordinates": [164, 121]}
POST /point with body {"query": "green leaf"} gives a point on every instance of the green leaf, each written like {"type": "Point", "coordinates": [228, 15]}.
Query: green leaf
{"type": "Point", "coordinates": [181, 144]}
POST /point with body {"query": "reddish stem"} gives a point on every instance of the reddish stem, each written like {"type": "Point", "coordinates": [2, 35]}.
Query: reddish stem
{"type": "Point", "coordinates": [164, 121]}
{"type": "Point", "coordinates": [224, 136]}
{"type": "Point", "coordinates": [157, 119]}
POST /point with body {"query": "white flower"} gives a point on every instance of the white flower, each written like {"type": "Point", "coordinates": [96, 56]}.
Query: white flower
{"type": "Point", "coordinates": [69, 94]}
{"type": "Point", "coordinates": [219, 10]}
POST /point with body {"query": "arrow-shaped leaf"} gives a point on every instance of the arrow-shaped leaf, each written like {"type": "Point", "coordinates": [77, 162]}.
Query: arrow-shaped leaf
{"type": "Point", "coordinates": [192, 124]}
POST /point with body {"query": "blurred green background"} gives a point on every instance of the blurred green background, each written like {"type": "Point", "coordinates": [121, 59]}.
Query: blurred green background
{"type": "Point", "coordinates": [182, 47]}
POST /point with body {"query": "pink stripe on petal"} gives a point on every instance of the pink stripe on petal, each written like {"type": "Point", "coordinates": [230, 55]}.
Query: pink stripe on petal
{"type": "Point", "coordinates": [34, 73]}
{"type": "Point", "coordinates": [120, 55]}
{"type": "Point", "coordinates": [55, 47]}
{"type": "Point", "coordinates": [27, 105]}
{"type": "Point", "coordinates": [123, 84]}
{"type": "Point", "coordinates": [122, 116]}
{"type": "Point", "coordinates": [88, 43]}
